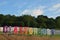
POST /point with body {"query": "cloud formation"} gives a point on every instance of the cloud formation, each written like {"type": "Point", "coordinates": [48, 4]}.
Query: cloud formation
{"type": "Point", "coordinates": [55, 7]}
{"type": "Point", "coordinates": [34, 12]}
{"type": "Point", "coordinates": [39, 10]}
{"type": "Point", "coordinates": [54, 10]}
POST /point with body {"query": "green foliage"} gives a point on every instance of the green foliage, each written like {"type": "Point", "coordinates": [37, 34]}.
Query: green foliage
{"type": "Point", "coordinates": [27, 20]}
{"type": "Point", "coordinates": [57, 22]}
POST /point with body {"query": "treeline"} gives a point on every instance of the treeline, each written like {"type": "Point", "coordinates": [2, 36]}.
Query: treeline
{"type": "Point", "coordinates": [40, 21]}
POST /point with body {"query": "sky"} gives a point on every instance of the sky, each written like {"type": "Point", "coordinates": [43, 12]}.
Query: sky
{"type": "Point", "coordinates": [50, 8]}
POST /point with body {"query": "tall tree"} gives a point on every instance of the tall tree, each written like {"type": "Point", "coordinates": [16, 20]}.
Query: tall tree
{"type": "Point", "coordinates": [42, 21]}
{"type": "Point", "coordinates": [57, 22]}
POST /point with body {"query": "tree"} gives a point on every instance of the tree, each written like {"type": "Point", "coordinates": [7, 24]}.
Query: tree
{"type": "Point", "coordinates": [51, 23]}
{"type": "Point", "coordinates": [57, 22]}
{"type": "Point", "coordinates": [42, 21]}
{"type": "Point", "coordinates": [27, 20]}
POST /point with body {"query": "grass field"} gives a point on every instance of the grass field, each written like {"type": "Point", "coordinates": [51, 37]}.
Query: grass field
{"type": "Point", "coordinates": [24, 37]}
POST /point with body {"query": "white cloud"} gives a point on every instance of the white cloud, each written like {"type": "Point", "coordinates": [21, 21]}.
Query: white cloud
{"type": "Point", "coordinates": [57, 6]}
{"type": "Point", "coordinates": [34, 12]}
{"type": "Point", "coordinates": [54, 10]}
{"type": "Point", "coordinates": [54, 7]}
{"type": "Point", "coordinates": [37, 12]}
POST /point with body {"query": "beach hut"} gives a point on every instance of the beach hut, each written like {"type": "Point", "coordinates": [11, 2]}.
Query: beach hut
{"type": "Point", "coordinates": [44, 31]}
{"type": "Point", "coordinates": [25, 30]}
{"type": "Point", "coordinates": [30, 31]}
{"type": "Point", "coordinates": [48, 32]}
{"type": "Point", "coordinates": [35, 30]}
{"type": "Point", "coordinates": [5, 29]}
{"type": "Point", "coordinates": [52, 31]}
{"type": "Point", "coordinates": [15, 30]}
{"type": "Point", "coordinates": [1, 30]}
{"type": "Point", "coordinates": [10, 28]}
{"type": "Point", "coordinates": [39, 31]}
{"type": "Point", "coordinates": [21, 30]}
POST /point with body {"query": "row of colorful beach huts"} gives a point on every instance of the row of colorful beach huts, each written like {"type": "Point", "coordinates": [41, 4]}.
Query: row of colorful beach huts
{"type": "Point", "coordinates": [26, 30]}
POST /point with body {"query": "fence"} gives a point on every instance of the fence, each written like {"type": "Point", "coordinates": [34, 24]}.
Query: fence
{"type": "Point", "coordinates": [57, 32]}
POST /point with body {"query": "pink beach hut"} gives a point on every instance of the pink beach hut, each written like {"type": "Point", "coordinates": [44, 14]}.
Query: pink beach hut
{"type": "Point", "coordinates": [5, 29]}
{"type": "Point", "coordinates": [15, 30]}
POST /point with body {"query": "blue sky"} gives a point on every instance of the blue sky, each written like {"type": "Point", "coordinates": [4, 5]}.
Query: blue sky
{"type": "Point", "coordinates": [50, 8]}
